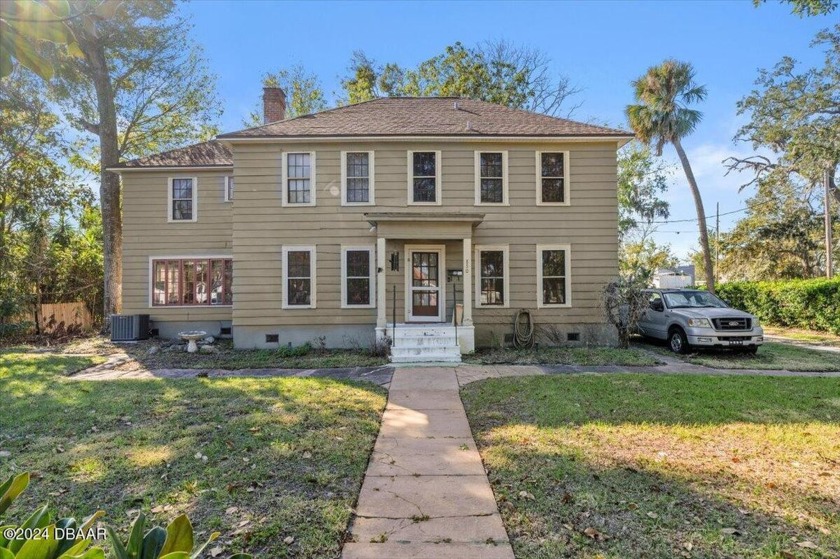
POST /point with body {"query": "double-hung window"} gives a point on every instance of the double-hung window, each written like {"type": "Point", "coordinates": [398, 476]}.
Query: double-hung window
{"type": "Point", "coordinates": [183, 199]}
{"type": "Point", "coordinates": [299, 179]}
{"type": "Point", "coordinates": [229, 189]}
{"type": "Point", "coordinates": [553, 276]}
{"type": "Point", "coordinates": [192, 282]}
{"type": "Point", "coordinates": [491, 182]}
{"type": "Point", "coordinates": [357, 277]}
{"type": "Point", "coordinates": [357, 178]}
{"type": "Point", "coordinates": [299, 277]}
{"type": "Point", "coordinates": [424, 177]}
{"type": "Point", "coordinates": [552, 178]}
{"type": "Point", "coordinates": [492, 276]}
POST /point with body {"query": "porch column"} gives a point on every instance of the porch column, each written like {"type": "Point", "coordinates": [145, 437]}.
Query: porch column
{"type": "Point", "coordinates": [468, 321]}
{"type": "Point", "coordinates": [380, 284]}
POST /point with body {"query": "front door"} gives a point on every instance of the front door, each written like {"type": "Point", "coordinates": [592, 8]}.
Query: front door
{"type": "Point", "coordinates": [424, 294]}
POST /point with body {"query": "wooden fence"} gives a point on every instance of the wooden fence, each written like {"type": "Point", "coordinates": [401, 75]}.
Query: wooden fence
{"type": "Point", "coordinates": [60, 317]}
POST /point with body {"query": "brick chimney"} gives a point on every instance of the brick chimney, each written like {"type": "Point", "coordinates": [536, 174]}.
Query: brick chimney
{"type": "Point", "coordinates": [274, 104]}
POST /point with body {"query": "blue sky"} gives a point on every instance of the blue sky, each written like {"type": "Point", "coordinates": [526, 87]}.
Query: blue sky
{"type": "Point", "coordinates": [601, 46]}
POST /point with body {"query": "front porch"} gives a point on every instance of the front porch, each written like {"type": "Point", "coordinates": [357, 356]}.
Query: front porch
{"type": "Point", "coordinates": [425, 283]}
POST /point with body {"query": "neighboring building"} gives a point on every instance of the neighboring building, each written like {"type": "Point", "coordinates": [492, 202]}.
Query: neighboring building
{"type": "Point", "coordinates": [326, 224]}
{"type": "Point", "coordinates": [674, 278]}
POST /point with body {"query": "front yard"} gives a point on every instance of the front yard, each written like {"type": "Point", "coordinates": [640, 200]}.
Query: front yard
{"type": "Point", "coordinates": [587, 356]}
{"type": "Point", "coordinates": [664, 466]}
{"type": "Point", "coordinates": [260, 460]}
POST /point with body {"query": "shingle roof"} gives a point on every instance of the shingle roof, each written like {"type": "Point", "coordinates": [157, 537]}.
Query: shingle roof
{"type": "Point", "coordinates": [425, 116]}
{"type": "Point", "coordinates": [205, 154]}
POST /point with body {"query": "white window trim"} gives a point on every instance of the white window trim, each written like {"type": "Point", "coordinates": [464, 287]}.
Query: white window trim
{"type": "Point", "coordinates": [312, 179]}
{"type": "Point", "coordinates": [182, 257]}
{"type": "Point", "coordinates": [169, 200]}
{"type": "Point", "coordinates": [438, 178]}
{"type": "Point", "coordinates": [505, 249]}
{"type": "Point", "coordinates": [568, 249]}
{"type": "Point", "coordinates": [567, 186]}
{"type": "Point", "coordinates": [227, 188]}
{"type": "Point", "coordinates": [372, 277]}
{"type": "Point", "coordinates": [371, 174]}
{"type": "Point", "coordinates": [505, 201]}
{"type": "Point", "coordinates": [312, 270]}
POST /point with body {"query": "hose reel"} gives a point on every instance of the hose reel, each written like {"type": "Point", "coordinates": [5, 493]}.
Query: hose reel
{"type": "Point", "coordinates": [523, 330]}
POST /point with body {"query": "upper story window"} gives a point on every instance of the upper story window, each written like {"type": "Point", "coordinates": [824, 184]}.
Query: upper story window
{"type": "Point", "coordinates": [357, 178]}
{"type": "Point", "coordinates": [183, 199]}
{"type": "Point", "coordinates": [552, 178]}
{"type": "Point", "coordinates": [299, 179]}
{"type": "Point", "coordinates": [491, 182]}
{"type": "Point", "coordinates": [424, 177]}
{"type": "Point", "coordinates": [492, 276]}
{"type": "Point", "coordinates": [192, 282]}
{"type": "Point", "coordinates": [299, 281]}
{"type": "Point", "coordinates": [229, 189]}
{"type": "Point", "coordinates": [357, 277]}
{"type": "Point", "coordinates": [553, 276]}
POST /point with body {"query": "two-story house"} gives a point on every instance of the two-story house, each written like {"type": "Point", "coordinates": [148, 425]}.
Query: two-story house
{"type": "Point", "coordinates": [345, 222]}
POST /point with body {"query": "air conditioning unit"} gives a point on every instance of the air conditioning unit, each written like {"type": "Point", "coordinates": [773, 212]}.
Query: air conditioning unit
{"type": "Point", "coordinates": [129, 327]}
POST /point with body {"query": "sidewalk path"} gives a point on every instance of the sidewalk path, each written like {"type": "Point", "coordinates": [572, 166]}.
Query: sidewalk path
{"type": "Point", "coordinates": [426, 494]}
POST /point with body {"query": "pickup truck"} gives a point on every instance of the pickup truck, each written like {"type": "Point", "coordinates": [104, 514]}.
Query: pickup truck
{"type": "Point", "coordinates": [691, 317]}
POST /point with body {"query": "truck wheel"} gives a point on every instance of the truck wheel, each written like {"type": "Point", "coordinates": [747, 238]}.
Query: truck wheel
{"type": "Point", "coordinates": [677, 341]}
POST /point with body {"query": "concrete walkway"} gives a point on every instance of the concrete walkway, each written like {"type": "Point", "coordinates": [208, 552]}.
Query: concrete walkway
{"type": "Point", "coordinates": [426, 494]}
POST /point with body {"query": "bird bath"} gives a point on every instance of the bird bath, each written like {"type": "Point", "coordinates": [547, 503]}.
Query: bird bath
{"type": "Point", "coordinates": [192, 337]}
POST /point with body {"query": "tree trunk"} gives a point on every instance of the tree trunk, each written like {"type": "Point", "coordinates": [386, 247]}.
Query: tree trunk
{"type": "Point", "coordinates": [109, 189]}
{"type": "Point", "coordinates": [701, 216]}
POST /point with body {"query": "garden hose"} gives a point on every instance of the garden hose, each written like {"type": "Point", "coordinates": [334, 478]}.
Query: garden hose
{"type": "Point", "coordinates": [523, 334]}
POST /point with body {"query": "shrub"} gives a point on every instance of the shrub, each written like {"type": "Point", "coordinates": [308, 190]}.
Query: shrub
{"type": "Point", "coordinates": [812, 304]}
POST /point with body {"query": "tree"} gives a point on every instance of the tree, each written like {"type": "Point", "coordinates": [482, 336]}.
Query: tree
{"type": "Point", "coordinates": [795, 115]}
{"type": "Point", "coordinates": [25, 24]}
{"type": "Point", "coordinates": [141, 87]}
{"type": "Point", "coordinates": [304, 93]}
{"type": "Point", "coordinates": [641, 181]}
{"type": "Point", "coordinates": [362, 82]}
{"type": "Point", "coordinates": [806, 8]}
{"type": "Point", "coordinates": [663, 116]}
{"type": "Point", "coordinates": [496, 71]}
{"type": "Point", "coordinates": [780, 237]}
{"type": "Point", "coordinates": [35, 191]}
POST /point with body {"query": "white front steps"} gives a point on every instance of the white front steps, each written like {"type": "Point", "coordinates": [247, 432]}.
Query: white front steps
{"type": "Point", "coordinates": [417, 343]}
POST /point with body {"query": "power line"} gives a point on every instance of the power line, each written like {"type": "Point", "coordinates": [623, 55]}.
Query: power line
{"type": "Point", "coordinates": [695, 220]}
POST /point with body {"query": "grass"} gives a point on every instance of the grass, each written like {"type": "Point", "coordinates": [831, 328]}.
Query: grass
{"type": "Point", "coordinates": [591, 356]}
{"type": "Point", "coordinates": [284, 456]}
{"type": "Point", "coordinates": [770, 356]}
{"type": "Point", "coordinates": [617, 466]}
{"type": "Point", "coordinates": [805, 336]}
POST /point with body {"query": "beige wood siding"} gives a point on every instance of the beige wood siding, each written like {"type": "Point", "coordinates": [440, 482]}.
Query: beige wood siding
{"type": "Point", "coordinates": [147, 233]}
{"type": "Point", "coordinates": [262, 226]}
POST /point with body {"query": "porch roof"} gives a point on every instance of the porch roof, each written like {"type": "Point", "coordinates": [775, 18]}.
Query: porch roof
{"type": "Point", "coordinates": [424, 225]}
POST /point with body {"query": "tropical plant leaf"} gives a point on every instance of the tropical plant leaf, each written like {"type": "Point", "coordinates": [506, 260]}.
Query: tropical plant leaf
{"type": "Point", "coordinates": [116, 545]}
{"type": "Point", "coordinates": [135, 538]}
{"type": "Point", "coordinates": [200, 550]}
{"type": "Point", "coordinates": [11, 488]}
{"type": "Point", "coordinates": [153, 543]}
{"type": "Point", "coordinates": [179, 536]}
{"type": "Point", "coordinates": [42, 548]}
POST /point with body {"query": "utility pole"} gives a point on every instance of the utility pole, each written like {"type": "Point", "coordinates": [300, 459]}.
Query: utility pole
{"type": "Point", "coordinates": [717, 241]}
{"type": "Point", "coordinates": [829, 246]}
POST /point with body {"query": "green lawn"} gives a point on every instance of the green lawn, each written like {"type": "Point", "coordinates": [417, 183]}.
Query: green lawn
{"type": "Point", "coordinates": [627, 466]}
{"type": "Point", "coordinates": [805, 336]}
{"type": "Point", "coordinates": [771, 355]}
{"type": "Point", "coordinates": [591, 356]}
{"type": "Point", "coordinates": [257, 459]}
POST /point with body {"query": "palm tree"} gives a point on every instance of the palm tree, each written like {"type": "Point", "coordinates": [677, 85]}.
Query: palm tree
{"type": "Point", "coordinates": [662, 116]}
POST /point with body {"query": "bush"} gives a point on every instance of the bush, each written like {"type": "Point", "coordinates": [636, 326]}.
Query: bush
{"type": "Point", "coordinates": [812, 304]}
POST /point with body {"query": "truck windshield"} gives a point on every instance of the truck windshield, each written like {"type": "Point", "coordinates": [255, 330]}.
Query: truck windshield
{"type": "Point", "coordinates": [692, 299]}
